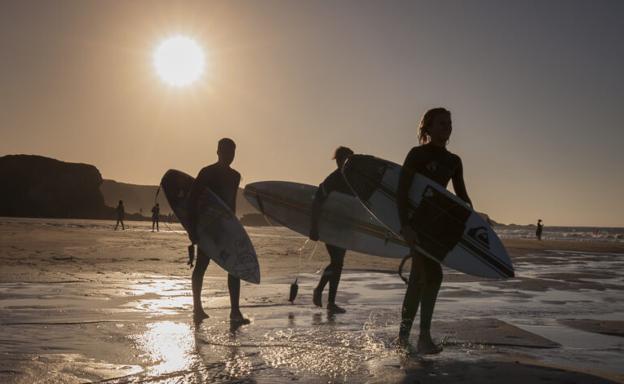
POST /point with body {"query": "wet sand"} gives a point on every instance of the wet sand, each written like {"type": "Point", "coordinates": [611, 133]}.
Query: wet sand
{"type": "Point", "coordinates": [82, 303]}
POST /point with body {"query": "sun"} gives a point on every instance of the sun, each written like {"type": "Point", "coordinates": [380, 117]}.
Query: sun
{"type": "Point", "coordinates": [179, 61]}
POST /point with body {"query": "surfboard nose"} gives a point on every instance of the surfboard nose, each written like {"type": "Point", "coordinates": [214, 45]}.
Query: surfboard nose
{"type": "Point", "coordinates": [253, 196]}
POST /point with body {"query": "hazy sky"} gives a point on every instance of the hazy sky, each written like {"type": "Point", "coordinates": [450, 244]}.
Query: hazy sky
{"type": "Point", "coordinates": [536, 89]}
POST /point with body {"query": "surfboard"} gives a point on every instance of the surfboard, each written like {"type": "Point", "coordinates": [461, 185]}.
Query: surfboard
{"type": "Point", "coordinates": [343, 222]}
{"type": "Point", "coordinates": [449, 230]}
{"type": "Point", "coordinates": [221, 235]}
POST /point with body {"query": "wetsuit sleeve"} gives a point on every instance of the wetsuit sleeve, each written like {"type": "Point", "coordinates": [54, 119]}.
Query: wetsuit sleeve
{"type": "Point", "coordinates": [413, 162]}
{"type": "Point", "coordinates": [458, 183]}
{"type": "Point", "coordinates": [320, 196]}
{"type": "Point", "coordinates": [326, 187]}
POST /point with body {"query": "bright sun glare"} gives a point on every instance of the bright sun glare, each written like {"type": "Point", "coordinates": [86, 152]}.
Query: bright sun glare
{"type": "Point", "coordinates": [179, 61]}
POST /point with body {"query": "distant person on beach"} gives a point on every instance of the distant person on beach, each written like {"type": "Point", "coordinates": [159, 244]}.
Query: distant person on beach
{"type": "Point", "coordinates": [155, 217]}
{"type": "Point", "coordinates": [223, 181]}
{"type": "Point", "coordinates": [433, 160]}
{"type": "Point", "coordinates": [120, 215]}
{"type": "Point", "coordinates": [335, 182]}
{"type": "Point", "coordinates": [539, 229]}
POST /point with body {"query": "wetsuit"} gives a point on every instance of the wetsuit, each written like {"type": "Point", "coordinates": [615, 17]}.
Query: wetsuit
{"type": "Point", "coordinates": [335, 182]}
{"type": "Point", "coordinates": [120, 216]}
{"type": "Point", "coordinates": [224, 182]}
{"type": "Point", "coordinates": [155, 217]}
{"type": "Point", "coordinates": [440, 165]}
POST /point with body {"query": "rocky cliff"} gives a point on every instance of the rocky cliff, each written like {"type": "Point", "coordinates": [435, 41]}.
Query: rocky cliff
{"type": "Point", "coordinates": [37, 186]}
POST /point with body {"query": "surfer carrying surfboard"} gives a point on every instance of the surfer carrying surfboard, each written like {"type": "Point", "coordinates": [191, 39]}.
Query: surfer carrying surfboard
{"type": "Point", "coordinates": [433, 160]}
{"type": "Point", "coordinates": [221, 179]}
{"type": "Point", "coordinates": [335, 182]}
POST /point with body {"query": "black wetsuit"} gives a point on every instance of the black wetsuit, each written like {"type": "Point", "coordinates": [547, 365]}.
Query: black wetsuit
{"type": "Point", "coordinates": [224, 182]}
{"type": "Point", "coordinates": [440, 165]}
{"type": "Point", "coordinates": [335, 182]}
{"type": "Point", "coordinates": [120, 216]}
{"type": "Point", "coordinates": [155, 217]}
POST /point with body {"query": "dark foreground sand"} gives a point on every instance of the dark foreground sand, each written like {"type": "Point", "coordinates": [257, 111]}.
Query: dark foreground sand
{"type": "Point", "coordinates": [82, 303]}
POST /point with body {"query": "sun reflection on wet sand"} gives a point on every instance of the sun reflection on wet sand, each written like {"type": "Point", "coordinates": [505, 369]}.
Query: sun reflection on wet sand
{"type": "Point", "coordinates": [170, 344]}
{"type": "Point", "coordinates": [160, 296]}
{"type": "Point", "coordinates": [160, 285]}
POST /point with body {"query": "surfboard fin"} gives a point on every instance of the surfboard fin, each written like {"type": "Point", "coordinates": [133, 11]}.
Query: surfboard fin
{"type": "Point", "coordinates": [294, 288]}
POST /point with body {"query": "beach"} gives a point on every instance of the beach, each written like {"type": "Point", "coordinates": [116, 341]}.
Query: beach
{"type": "Point", "coordinates": [80, 302]}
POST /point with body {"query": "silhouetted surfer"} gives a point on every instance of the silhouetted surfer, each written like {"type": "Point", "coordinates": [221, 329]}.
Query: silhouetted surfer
{"type": "Point", "coordinates": [434, 161]}
{"type": "Point", "coordinates": [539, 229]}
{"type": "Point", "coordinates": [223, 181]}
{"type": "Point", "coordinates": [155, 217]}
{"type": "Point", "coordinates": [121, 212]}
{"type": "Point", "coordinates": [335, 182]}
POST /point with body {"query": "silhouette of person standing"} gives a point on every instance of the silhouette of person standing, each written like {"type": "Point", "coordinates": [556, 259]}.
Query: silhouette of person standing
{"type": "Point", "coordinates": [335, 182]}
{"type": "Point", "coordinates": [155, 217]}
{"type": "Point", "coordinates": [539, 229]}
{"type": "Point", "coordinates": [224, 182]}
{"type": "Point", "coordinates": [433, 160]}
{"type": "Point", "coordinates": [120, 215]}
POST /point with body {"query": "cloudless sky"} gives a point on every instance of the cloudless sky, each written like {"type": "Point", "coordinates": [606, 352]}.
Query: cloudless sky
{"type": "Point", "coordinates": [535, 87]}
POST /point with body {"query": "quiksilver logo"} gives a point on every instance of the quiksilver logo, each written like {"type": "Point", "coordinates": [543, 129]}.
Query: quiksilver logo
{"type": "Point", "coordinates": [480, 234]}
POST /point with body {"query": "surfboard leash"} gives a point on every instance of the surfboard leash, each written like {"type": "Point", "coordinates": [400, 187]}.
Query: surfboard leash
{"type": "Point", "coordinates": [406, 281]}
{"type": "Point", "coordinates": [294, 287]}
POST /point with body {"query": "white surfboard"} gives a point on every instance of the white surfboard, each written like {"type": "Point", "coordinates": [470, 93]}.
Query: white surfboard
{"type": "Point", "coordinates": [221, 235]}
{"type": "Point", "coordinates": [344, 222]}
{"type": "Point", "coordinates": [449, 230]}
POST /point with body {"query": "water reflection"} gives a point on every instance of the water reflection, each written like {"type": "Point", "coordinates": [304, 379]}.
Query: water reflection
{"type": "Point", "coordinates": [221, 352]}
{"type": "Point", "coordinates": [160, 296]}
{"type": "Point", "coordinates": [317, 318]}
{"type": "Point", "coordinates": [170, 345]}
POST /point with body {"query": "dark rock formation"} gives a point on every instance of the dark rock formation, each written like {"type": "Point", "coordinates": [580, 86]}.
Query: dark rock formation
{"type": "Point", "coordinates": [37, 186]}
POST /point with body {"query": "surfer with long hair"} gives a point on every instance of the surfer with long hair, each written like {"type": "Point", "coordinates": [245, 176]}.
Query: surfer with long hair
{"type": "Point", "coordinates": [433, 160]}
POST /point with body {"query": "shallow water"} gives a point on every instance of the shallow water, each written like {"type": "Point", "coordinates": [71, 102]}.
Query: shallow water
{"type": "Point", "coordinates": [137, 328]}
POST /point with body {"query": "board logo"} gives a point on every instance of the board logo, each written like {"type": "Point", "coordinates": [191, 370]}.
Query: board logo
{"type": "Point", "coordinates": [480, 234]}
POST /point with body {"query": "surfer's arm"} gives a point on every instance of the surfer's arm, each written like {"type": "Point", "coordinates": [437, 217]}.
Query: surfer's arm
{"type": "Point", "coordinates": [459, 185]}
{"type": "Point", "coordinates": [413, 162]}
{"type": "Point", "coordinates": [314, 219]}
{"type": "Point", "coordinates": [406, 177]}
{"type": "Point", "coordinates": [317, 204]}
{"type": "Point", "coordinates": [237, 182]}
{"type": "Point", "coordinates": [315, 212]}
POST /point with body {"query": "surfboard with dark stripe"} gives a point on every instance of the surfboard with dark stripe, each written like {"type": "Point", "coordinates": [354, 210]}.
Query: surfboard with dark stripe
{"type": "Point", "coordinates": [449, 230]}
{"type": "Point", "coordinates": [344, 221]}
{"type": "Point", "coordinates": [221, 235]}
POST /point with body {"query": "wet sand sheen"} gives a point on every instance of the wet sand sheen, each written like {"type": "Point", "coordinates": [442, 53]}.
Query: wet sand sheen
{"type": "Point", "coordinates": [116, 306]}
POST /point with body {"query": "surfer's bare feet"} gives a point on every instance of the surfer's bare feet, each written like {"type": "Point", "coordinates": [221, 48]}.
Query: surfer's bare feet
{"type": "Point", "coordinates": [238, 318]}
{"type": "Point", "coordinates": [404, 346]}
{"type": "Point", "coordinates": [317, 297]}
{"type": "Point", "coordinates": [199, 315]}
{"type": "Point", "coordinates": [426, 346]}
{"type": "Point", "coordinates": [334, 309]}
